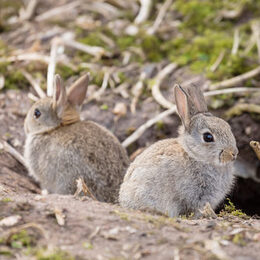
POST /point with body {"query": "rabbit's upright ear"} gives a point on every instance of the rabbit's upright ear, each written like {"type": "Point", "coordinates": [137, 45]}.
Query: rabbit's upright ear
{"type": "Point", "coordinates": [77, 92]}
{"type": "Point", "coordinates": [59, 96]}
{"type": "Point", "coordinates": [182, 103]}
{"type": "Point", "coordinates": [197, 97]}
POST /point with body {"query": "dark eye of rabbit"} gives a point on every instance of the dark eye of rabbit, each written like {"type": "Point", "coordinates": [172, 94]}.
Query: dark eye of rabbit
{"type": "Point", "coordinates": [208, 137]}
{"type": "Point", "coordinates": [37, 113]}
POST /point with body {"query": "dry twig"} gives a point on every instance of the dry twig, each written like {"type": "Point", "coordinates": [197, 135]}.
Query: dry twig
{"type": "Point", "coordinates": [137, 91]}
{"type": "Point", "coordinates": [241, 108]}
{"type": "Point", "coordinates": [92, 50]}
{"type": "Point", "coordinates": [229, 91]}
{"type": "Point", "coordinates": [32, 97]}
{"type": "Point", "coordinates": [103, 8]}
{"type": "Point", "coordinates": [236, 80]}
{"type": "Point", "coordinates": [98, 93]}
{"type": "Point", "coordinates": [160, 17]}
{"type": "Point", "coordinates": [140, 130]}
{"type": "Point", "coordinates": [250, 45]}
{"type": "Point", "coordinates": [82, 187]}
{"type": "Point", "coordinates": [157, 82]}
{"type": "Point", "coordinates": [27, 57]}
{"type": "Point", "coordinates": [218, 61]}
{"type": "Point", "coordinates": [57, 11]}
{"type": "Point", "coordinates": [60, 216]}
{"type": "Point", "coordinates": [235, 42]}
{"type": "Point", "coordinates": [9, 149]}
{"type": "Point", "coordinates": [52, 65]}
{"type": "Point", "coordinates": [256, 33]}
{"type": "Point", "coordinates": [256, 147]}
{"type": "Point", "coordinates": [34, 84]}
{"type": "Point", "coordinates": [144, 12]}
{"type": "Point", "coordinates": [232, 14]}
{"type": "Point", "coordinates": [16, 229]}
{"type": "Point", "coordinates": [27, 14]}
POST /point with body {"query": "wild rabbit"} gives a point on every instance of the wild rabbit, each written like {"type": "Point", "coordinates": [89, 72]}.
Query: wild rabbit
{"type": "Point", "coordinates": [180, 176]}
{"type": "Point", "coordinates": [60, 147]}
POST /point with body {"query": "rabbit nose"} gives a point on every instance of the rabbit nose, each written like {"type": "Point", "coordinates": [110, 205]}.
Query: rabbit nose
{"type": "Point", "coordinates": [234, 156]}
{"type": "Point", "coordinates": [228, 154]}
{"type": "Point", "coordinates": [234, 153]}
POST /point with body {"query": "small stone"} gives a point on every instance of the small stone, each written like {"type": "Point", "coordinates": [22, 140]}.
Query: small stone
{"type": "Point", "coordinates": [10, 221]}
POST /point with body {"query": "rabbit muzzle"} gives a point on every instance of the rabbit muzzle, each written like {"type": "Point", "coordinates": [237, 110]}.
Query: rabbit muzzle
{"type": "Point", "coordinates": [228, 155]}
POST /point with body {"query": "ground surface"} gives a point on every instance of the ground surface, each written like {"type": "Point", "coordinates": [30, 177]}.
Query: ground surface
{"type": "Point", "coordinates": [93, 230]}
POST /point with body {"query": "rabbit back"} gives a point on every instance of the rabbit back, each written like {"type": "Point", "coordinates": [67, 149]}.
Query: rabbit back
{"type": "Point", "coordinates": [165, 179]}
{"type": "Point", "coordinates": [83, 149]}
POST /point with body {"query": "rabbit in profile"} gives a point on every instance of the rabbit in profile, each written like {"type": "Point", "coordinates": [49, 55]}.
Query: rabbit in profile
{"type": "Point", "coordinates": [60, 147]}
{"type": "Point", "coordinates": [180, 176]}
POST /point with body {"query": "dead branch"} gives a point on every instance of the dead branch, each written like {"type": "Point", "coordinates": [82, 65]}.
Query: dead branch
{"type": "Point", "coordinates": [34, 56]}
{"type": "Point", "coordinates": [190, 81]}
{"type": "Point", "coordinates": [137, 91]}
{"type": "Point", "coordinates": [34, 84]}
{"type": "Point", "coordinates": [256, 32]}
{"type": "Point", "coordinates": [92, 50]}
{"type": "Point", "coordinates": [27, 57]}
{"type": "Point", "coordinates": [236, 80]}
{"type": "Point", "coordinates": [82, 187]}
{"type": "Point", "coordinates": [250, 45]}
{"type": "Point", "coordinates": [103, 8]}
{"type": "Point", "coordinates": [235, 42]}
{"type": "Point", "coordinates": [122, 89]}
{"type": "Point", "coordinates": [104, 85]}
{"type": "Point", "coordinates": [60, 216]}
{"type": "Point", "coordinates": [160, 17]}
{"type": "Point", "coordinates": [218, 61]}
{"type": "Point", "coordinates": [2, 81]}
{"type": "Point", "coordinates": [11, 150]}
{"type": "Point", "coordinates": [57, 11]}
{"type": "Point", "coordinates": [241, 108]}
{"type": "Point", "coordinates": [27, 14]}
{"type": "Point", "coordinates": [140, 130]}
{"type": "Point", "coordinates": [232, 14]}
{"type": "Point", "coordinates": [229, 91]}
{"type": "Point", "coordinates": [16, 229]}
{"type": "Point", "coordinates": [256, 147]}
{"type": "Point", "coordinates": [32, 97]}
{"type": "Point", "coordinates": [157, 82]}
{"type": "Point", "coordinates": [52, 65]}
{"type": "Point", "coordinates": [144, 12]}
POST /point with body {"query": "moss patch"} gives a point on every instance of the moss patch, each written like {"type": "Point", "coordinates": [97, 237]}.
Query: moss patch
{"type": "Point", "coordinates": [204, 34]}
{"type": "Point", "coordinates": [230, 209]}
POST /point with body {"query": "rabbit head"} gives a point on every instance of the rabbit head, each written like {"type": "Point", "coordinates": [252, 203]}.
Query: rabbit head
{"type": "Point", "coordinates": [204, 137]}
{"type": "Point", "coordinates": [62, 109]}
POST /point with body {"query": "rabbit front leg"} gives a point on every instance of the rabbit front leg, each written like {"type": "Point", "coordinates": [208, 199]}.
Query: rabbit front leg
{"type": "Point", "coordinates": [174, 211]}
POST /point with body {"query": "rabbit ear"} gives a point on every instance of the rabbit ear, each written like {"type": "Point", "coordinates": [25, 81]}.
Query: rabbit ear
{"type": "Point", "coordinates": [77, 92]}
{"type": "Point", "coordinates": [181, 100]}
{"type": "Point", "coordinates": [59, 96]}
{"type": "Point", "coordinates": [198, 100]}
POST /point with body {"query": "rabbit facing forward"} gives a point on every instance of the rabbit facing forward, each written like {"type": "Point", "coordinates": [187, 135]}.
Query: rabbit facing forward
{"type": "Point", "coordinates": [180, 176]}
{"type": "Point", "coordinates": [60, 147]}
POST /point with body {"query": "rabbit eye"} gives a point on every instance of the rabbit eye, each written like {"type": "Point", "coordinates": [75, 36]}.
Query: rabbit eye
{"type": "Point", "coordinates": [208, 137]}
{"type": "Point", "coordinates": [37, 113]}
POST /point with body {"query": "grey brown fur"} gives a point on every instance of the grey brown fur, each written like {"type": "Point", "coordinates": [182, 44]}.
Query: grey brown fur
{"type": "Point", "coordinates": [179, 176]}
{"type": "Point", "coordinates": [60, 148]}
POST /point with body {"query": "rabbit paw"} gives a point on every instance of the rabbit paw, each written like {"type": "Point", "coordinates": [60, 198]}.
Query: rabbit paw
{"type": "Point", "coordinates": [206, 212]}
